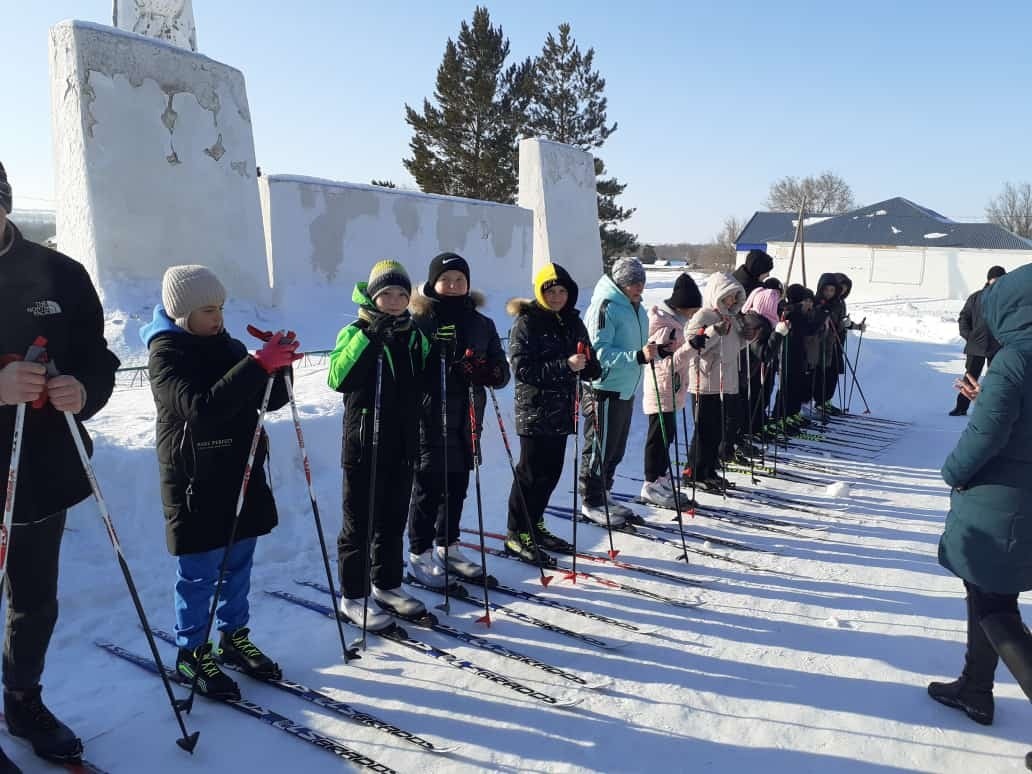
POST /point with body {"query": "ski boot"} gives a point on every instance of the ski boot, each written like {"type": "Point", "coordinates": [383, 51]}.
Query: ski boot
{"type": "Point", "coordinates": [236, 648]}
{"type": "Point", "coordinates": [356, 610]}
{"type": "Point", "coordinates": [597, 515]}
{"type": "Point", "coordinates": [653, 492]}
{"type": "Point", "coordinates": [212, 682]}
{"type": "Point", "coordinates": [547, 541]}
{"type": "Point", "coordinates": [426, 569]}
{"type": "Point", "coordinates": [28, 717]}
{"type": "Point", "coordinates": [521, 546]}
{"type": "Point", "coordinates": [460, 565]}
{"type": "Point", "coordinates": [398, 602]}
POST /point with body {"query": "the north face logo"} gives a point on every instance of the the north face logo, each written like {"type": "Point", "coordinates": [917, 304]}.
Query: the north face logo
{"type": "Point", "coordinates": [43, 308]}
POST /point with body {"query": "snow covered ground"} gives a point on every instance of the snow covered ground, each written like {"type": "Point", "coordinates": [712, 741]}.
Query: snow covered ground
{"type": "Point", "coordinates": [821, 667]}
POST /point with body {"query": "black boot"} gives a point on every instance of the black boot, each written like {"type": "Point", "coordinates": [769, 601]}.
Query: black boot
{"type": "Point", "coordinates": [7, 766]}
{"type": "Point", "coordinates": [237, 649]}
{"type": "Point", "coordinates": [972, 692]}
{"type": "Point", "coordinates": [520, 545]}
{"type": "Point", "coordinates": [1012, 641]}
{"type": "Point", "coordinates": [211, 680]}
{"type": "Point", "coordinates": [28, 717]}
{"type": "Point", "coordinates": [550, 542]}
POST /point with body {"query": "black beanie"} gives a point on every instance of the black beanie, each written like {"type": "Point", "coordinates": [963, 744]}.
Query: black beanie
{"type": "Point", "coordinates": [773, 283]}
{"type": "Point", "coordinates": [446, 262]}
{"type": "Point", "coordinates": [995, 273]}
{"type": "Point", "coordinates": [5, 191]}
{"type": "Point", "coordinates": [796, 293]}
{"type": "Point", "coordinates": [686, 294]}
{"type": "Point", "coordinates": [757, 262]}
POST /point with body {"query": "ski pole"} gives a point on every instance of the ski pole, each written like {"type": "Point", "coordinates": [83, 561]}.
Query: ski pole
{"type": "Point", "coordinates": [371, 514]}
{"type": "Point", "coordinates": [486, 617]}
{"type": "Point", "coordinates": [446, 605]}
{"type": "Point", "coordinates": [582, 349]}
{"type": "Point", "coordinates": [258, 428]}
{"type": "Point", "coordinates": [265, 336]}
{"type": "Point", "coordinates": [856, 362]}
{"type": "Point", "coordinates": [187, 741]}
{"type": "Point", "coordinates": [695, 419]}
{"type": "Point", "coordinates": [12, 488]}
{"type": "Point", "coordinates": [750, 411]}
{"type": "Point", "coordinates": [670, 467]}
{"type": "Point", "coordinates": [856, 381]}
{"type": "Point", "coordinates": [723, 425]}
{"type": "Point", "coordinates": [600, 451]}
{"type": "Point", "coordinates": [545, 579]}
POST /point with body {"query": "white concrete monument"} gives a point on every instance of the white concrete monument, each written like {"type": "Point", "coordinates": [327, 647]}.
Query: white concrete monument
{"type": "Point", "coordinates": [170, 20]}
{"type": "Point", "coordinates": [155, 160]}
{"type": "Point", "coordinates": [557, 182]}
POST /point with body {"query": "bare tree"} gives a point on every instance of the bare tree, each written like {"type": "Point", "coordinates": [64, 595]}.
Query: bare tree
{"type": "Point", "coordinates": [1012, 209]}
{"type": "Point", "coordinates": [725, 240]}
{"type": "Point", "coordinates": [825, 194]}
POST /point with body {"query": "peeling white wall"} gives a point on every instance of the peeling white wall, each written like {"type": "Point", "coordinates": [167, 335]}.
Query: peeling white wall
{"type": "Point", "coordinates": [890, 272]}
{"type": "Point", "coordinates": [324, 236]}
{"type": "Point", "coordinates": [155, 160]}
{"type": "Point", "coordinates": [557, 182]}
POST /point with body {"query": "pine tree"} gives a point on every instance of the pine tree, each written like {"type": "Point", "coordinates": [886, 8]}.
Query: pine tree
{"type": "Point", "coordinates": [569, 106]}
{"type": "Point", "coordinates": [466, 143]}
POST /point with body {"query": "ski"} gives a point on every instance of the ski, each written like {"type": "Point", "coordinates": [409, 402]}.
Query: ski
{"type": "Point", "coordinates": [749, 520]}
{"type": "Point", "coordinates": [610, 583]}
{"type": "Point", "coordinates": [530, 596]}
{"type": "Point", "coordinates": [674, 544]}
{"type": "Point", "coordinates": [774, 500]}
{"type": "Point", "coordinates": [265, 715]}
{"type": "Point", "coordinates": [341, 708]}
{"type": "Point", "coordinates": [460, 592]}
{"type": "Point", "coordinates": [493, 647]}
{"type": "Point", "coordinates": [398, 635]}
{"type": "Point", "coordinates": [767, 471]}
{"type": "Point", "coordinates": [83, 766]}
{"type": "Point", "coordinates": [670, 577]}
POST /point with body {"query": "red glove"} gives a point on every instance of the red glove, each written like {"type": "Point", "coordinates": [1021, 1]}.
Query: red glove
{"type": "Point", "coordinates": [258, 333]}
{"type": "Point", "coordinates": [277, 354]}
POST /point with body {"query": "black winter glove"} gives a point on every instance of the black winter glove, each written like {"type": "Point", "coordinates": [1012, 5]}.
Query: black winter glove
{"type": "Point", "coordinates": [381, 330]}
{"type": "Point", "coordinates": [698, 341]}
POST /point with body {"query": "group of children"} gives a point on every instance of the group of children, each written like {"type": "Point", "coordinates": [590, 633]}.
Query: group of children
{"type": "Point", "coordinates": [414, 370]}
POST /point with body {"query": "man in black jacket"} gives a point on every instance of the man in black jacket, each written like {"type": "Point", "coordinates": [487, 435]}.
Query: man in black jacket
{"type": "Point", "coordinates": [980, 346]}
{"type": "Point", "coordinates": [43, 293]}
{"type": "Point", "coordinates": [751, 274]}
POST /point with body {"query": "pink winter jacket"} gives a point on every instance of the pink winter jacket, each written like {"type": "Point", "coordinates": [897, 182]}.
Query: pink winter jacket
{"type": "Point", "coordinates": [670, 371]}
{"type": "Point", "coordinates": [720, 355]}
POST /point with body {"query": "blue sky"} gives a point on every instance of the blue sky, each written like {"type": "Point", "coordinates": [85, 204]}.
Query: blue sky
{"type": "Point", "coordinates": [715, 100]}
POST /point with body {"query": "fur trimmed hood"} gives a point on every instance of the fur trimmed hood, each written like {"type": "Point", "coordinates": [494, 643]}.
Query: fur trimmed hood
{"type": "Point", "coordinates": [421, 304]}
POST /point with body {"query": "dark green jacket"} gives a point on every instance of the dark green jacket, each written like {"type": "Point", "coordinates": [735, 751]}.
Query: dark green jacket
{"type": "Point", "coordinates": [988, 535]}
{"type": "Point", "coordinates": [353, 373]}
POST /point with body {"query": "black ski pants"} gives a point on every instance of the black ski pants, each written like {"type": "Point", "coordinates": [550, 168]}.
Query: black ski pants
{"type": "Point", "coordinates": [537, 475]}
{"type": "Point", "coordinates": [973, 365]}
{"type": "Point", "coordinates": [657, 453]}
{"type": "Point", "coordinates": [393, 486]}
{"type": "Point", "coordinates": [980, 659]}
{"type": "Point", "coordinates": [32, 563]}
{"type": "Point", "coordinates": [705, 449]}
{"type": "Point", "coordinates": [431, 520]}
{"type": "Point", "coordinates": [614, 424]}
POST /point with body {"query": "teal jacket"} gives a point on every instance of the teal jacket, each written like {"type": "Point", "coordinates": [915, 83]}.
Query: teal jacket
{"type": "Point", "coordinates": [618, 330]}
{"type": "Point", "coordinates": [988, 536]}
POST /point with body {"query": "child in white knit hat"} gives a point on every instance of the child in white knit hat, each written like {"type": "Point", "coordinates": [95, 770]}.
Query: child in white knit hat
{"type": "Point", "coordinates": [208, 390]}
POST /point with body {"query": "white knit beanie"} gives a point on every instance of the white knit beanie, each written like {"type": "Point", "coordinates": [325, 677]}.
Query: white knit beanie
{"type": "Point", "coordinates": [188, 288]}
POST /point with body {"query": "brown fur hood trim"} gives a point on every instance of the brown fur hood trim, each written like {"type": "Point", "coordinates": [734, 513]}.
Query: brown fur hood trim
{"type": "Point", "coordinates": [517, 306]}
{"type": "Point", "coordinates": [420, 304]}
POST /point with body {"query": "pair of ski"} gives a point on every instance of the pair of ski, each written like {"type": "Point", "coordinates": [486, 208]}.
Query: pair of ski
{"type": "Point", "coordinates": [738, 518]}
{"type": "Point", "coordinates": [283, 723]}
{"type": "Point", "coordinates": [602, 581]}
{"type": "Point", "coordinates": [399, 636]}
{"type": "Point", "coordinates": [565, 513]}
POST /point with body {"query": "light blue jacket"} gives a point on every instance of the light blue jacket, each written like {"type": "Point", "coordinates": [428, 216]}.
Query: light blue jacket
{"type": "Point", "coordinates": [618, 330]}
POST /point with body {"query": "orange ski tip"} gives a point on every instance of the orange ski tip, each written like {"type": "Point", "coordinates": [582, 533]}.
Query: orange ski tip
{"type": "Point", "coordinates": [546, 579]}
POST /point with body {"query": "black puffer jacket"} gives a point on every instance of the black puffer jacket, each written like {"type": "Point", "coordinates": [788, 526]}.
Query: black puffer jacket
{"type": "Point", "coordinates": [207, 391]}
{"type": "Point", "coordinates": [45, 293]}
{"type": "Point", "coordinates": [474, 331]}
{"type": "Point", "coordinates": [828, 316]}
{"type": "Point", "coordinates": [978, 341]}
{"type": "Point", "coordinates": [540, 343]}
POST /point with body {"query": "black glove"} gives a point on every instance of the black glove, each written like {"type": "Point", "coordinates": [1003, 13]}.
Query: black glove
{"type": "Point", "coordinates": [381, 330]}
{"type": "Point", "coordinates": [664, 351]}
{"type": "Point", "coordinates": [698, 341]}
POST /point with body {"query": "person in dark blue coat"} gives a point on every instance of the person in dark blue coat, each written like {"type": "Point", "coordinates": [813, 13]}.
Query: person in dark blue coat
{"type": "Point", "coordinates": [987, 541]}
